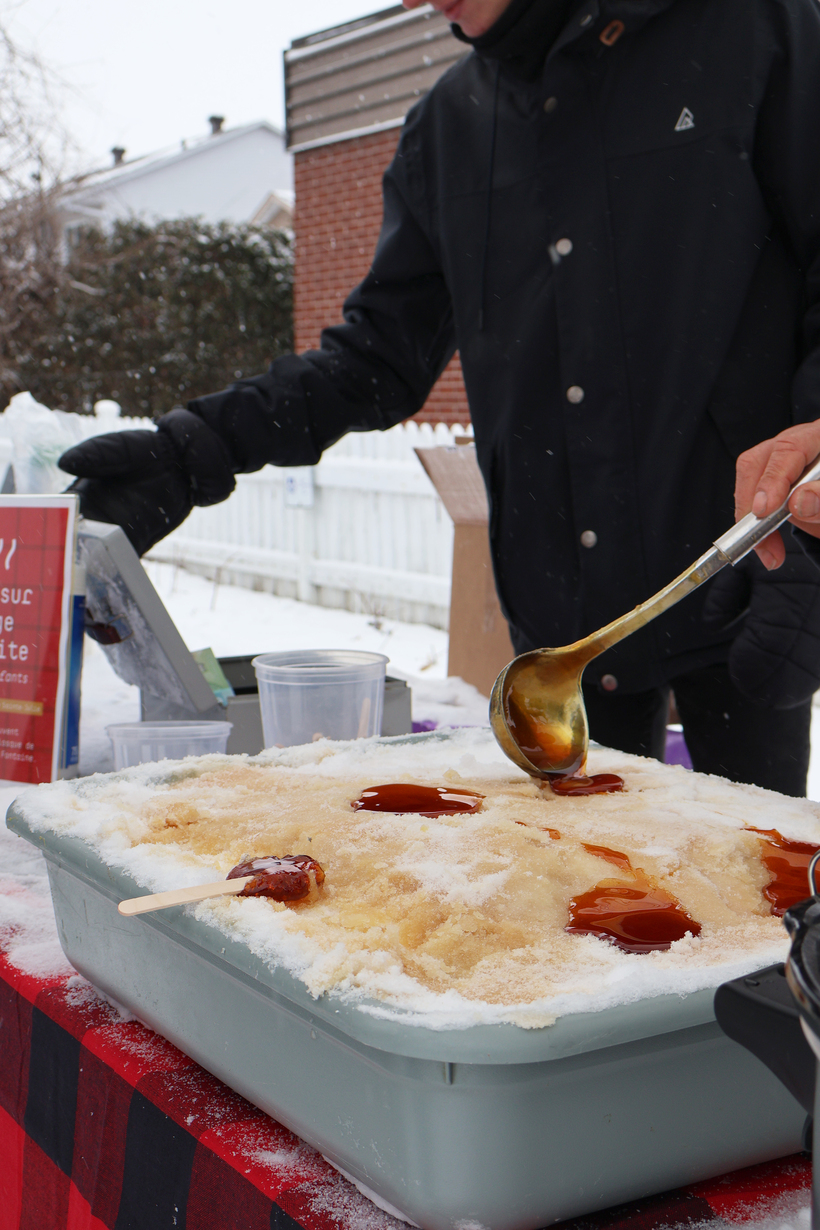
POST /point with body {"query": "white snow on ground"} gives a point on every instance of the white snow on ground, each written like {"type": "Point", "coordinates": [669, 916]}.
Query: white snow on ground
{"type": "Point", "coordinates": [105, 699]}
{"type": "Point", "coordinates": [232, 620]}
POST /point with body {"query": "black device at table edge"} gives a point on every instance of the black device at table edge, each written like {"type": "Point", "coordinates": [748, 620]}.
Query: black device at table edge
{"type": "Point", "coordinates": [127, 617]}
{"type": "Point", "coordinates": [775, 1014]}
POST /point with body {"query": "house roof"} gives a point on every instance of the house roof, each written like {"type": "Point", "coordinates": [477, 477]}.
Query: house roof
{"type": "Point", "coordinates": [225, 175]}
{"type": "Point", "coordinates": [133, 168]}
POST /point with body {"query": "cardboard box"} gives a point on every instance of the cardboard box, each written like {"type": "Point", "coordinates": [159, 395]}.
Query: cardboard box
{"type": "Point", "coordinates": [480, 645]}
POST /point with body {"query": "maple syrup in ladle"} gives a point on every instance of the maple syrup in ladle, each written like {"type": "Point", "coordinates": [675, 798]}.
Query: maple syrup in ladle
{"type": "Point", "coordinates": [544, 747]}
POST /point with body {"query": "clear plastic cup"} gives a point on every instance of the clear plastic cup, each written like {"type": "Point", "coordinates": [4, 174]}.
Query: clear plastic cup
{"type": "Point", "coordinates": [313, 694]}
{"type": "Point", "coordinates": [142, 742]}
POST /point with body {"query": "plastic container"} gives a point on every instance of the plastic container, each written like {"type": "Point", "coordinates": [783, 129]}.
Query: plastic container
{"type": "Point", "coordinates": [491, 1126]}
{"type": "Point", "coordinates": [312, 694]}
{"type": "Point", "coordinates": [142, 742]}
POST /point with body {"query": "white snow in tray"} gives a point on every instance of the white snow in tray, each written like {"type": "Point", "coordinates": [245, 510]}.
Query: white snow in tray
{"type": "Point", "coordinates": [104, 811]}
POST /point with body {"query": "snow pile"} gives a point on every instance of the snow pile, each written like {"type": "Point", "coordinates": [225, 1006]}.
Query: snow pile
{"type": "Point", "coordinates": [458, 920]}
{"type": "Point", "coordinates": [40, 436]}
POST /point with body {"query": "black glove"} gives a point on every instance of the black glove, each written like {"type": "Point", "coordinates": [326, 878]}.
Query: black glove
{"type": "Point", "coordinates": [775, 657]}
{"type": "Point", "coordinates": [148, 481]}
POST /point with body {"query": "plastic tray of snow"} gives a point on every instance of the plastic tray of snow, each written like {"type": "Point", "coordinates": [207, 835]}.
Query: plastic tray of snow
{"type": "Point", "coordinates": [541, 1081]}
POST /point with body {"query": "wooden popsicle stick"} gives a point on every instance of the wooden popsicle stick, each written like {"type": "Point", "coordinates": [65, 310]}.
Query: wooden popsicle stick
{"type": "Point", "coordinates": [182, 896]}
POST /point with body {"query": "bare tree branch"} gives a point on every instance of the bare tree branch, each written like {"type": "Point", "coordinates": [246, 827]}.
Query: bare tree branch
{"type": "Point", "coordinates": [33, 151]}
{"type": "Point", "coordinates": [33, 141]}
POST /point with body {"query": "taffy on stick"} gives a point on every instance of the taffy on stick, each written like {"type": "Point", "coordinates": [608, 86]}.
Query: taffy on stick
{"type": "Point", "coordinates": [283, 879]}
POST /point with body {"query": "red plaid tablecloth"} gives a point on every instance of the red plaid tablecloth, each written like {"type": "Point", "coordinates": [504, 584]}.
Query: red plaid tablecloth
{"type": "Point", "coordinates": [106, 1126]}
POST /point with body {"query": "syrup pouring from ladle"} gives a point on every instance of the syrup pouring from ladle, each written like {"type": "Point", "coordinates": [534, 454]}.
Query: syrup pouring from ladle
{"type": "Point", "coordinates": [537, 708]}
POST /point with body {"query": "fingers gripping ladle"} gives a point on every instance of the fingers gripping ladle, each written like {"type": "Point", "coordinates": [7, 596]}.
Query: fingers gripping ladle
{"type": "Point", "coordinates": [537, 708]}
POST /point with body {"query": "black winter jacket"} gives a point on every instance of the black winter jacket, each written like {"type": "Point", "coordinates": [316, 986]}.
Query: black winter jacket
{"type": "Point", "coordinates": [626, 252]}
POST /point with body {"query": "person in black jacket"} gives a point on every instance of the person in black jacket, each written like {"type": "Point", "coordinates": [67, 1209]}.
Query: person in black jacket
{"type": "Point", "coordinates": [611, 208]}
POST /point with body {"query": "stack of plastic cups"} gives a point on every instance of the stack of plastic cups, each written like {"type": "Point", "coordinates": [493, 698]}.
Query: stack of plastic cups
{"type": "Point", "coordinates": [144, 742]}
{"type": "Point", "coordinates": [315, 694]}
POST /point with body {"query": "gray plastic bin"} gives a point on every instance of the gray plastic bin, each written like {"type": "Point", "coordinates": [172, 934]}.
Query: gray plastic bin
{"type": "Point", "coordinates": [492, 1126]}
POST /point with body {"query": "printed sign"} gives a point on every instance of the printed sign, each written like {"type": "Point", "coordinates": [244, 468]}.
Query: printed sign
{"type": "Point", "coordinates": [298, 486]}
{"type": "Point", "coordinates": [37, 536]}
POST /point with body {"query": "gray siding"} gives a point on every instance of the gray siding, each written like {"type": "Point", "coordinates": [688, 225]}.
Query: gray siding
{"type": "Point", "coordinates": [364, 76]}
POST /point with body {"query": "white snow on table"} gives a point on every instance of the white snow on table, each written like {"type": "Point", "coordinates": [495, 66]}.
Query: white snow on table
{"type": "Point", "coordinates": [28, 934]}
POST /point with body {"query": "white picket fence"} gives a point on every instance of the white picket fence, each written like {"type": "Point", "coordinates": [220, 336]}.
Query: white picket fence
{"type": "Point", "coordinates": [364, 530]}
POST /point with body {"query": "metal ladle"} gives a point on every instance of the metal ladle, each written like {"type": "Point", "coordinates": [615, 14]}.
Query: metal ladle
{"type": "Point", "coordinates": [537, 708]}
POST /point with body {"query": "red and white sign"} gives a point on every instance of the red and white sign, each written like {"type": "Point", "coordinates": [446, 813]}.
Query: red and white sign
{"type": "Point", "coordinates": [37, 545]}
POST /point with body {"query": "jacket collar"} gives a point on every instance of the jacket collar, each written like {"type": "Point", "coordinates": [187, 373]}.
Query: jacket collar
{"type": "Point", "coordinates": [530, 30]}
{"type": "Point", "coordinates": [522, 36]}
{"type": "Point", "coordinates": [593, 15]}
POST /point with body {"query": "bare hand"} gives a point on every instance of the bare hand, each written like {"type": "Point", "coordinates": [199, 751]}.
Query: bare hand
{"type": "Point", "coordinates": [764, 475]}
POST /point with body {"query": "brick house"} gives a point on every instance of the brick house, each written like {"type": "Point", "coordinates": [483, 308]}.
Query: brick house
{"type": "Point", "coordinates": [348, 90]}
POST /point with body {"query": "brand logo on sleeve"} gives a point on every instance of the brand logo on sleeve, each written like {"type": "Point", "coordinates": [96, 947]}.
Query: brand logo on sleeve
{"type": "Point", "coordinates": [685, 120]}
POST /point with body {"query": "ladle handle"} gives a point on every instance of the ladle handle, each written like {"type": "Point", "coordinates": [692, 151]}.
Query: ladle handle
{"type": "Point", "coordinates": [741, 538]}
{"type": "Point", "coordinates": [730, 548]}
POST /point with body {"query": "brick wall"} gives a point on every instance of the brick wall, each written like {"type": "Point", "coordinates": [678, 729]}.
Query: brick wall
{"type": "Point", "coordinates": [336, 221]}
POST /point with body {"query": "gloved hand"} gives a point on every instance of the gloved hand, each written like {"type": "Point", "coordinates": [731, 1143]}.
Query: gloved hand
{"type": "Point", "coordinates": [775, 657]}
{"type": "Point", "coordinates": [148, 481]}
